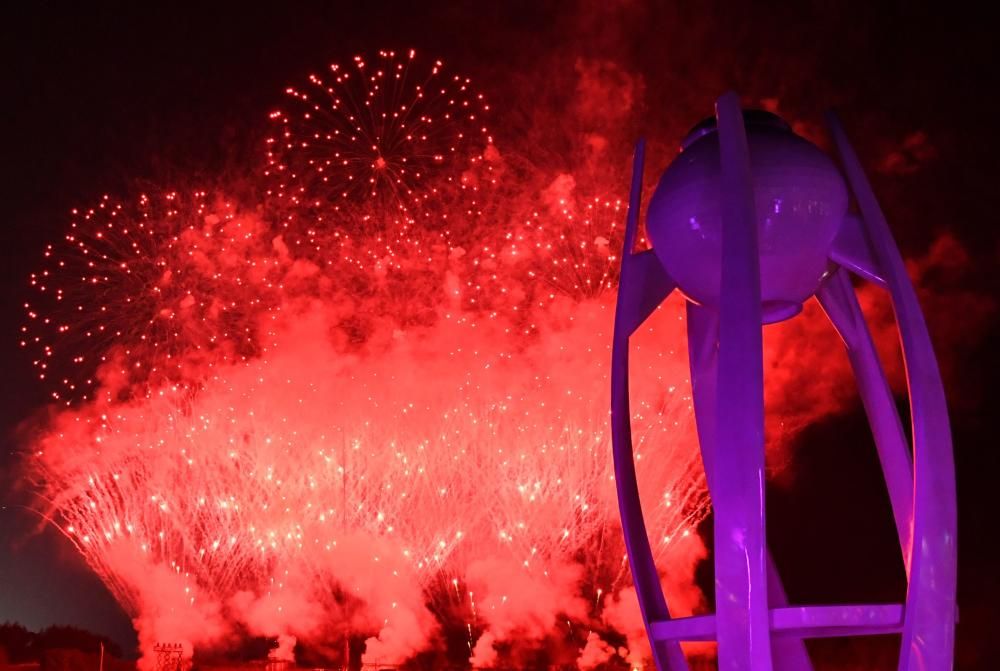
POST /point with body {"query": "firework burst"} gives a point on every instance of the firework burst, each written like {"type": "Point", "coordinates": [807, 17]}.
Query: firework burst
{"type": "Point", "coordinates": [140, 289]}
{"type": "Point", "coordinates": [374, 142]}
{"type": "Point", "coordinates": [575, 250]}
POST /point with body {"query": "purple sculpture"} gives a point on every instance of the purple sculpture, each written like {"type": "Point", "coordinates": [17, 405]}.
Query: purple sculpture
{"type": "Point", "coordinates": [748, 222]}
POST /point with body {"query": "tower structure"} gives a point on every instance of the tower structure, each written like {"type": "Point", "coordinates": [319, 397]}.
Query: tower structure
{"type": "Point", "coordinates": [748, 222]}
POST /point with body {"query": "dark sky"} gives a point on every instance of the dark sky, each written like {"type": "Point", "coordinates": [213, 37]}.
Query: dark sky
{"type": "Point", "coordinates": [96, 97]}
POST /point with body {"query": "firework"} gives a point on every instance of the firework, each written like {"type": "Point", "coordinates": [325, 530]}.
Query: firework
{"type": "Point", "coordinates": [329, 468]}
{"type": "Point", "coordinates": [375, 141]}
{"type": "Point", "coordinates": [378, 408]}
{"type": "Point", "coordinates": [140, 289]}
{"type": "Point", "coordinates": [562, 254]}
{"type": "Point", "coordinates": [576, 252]}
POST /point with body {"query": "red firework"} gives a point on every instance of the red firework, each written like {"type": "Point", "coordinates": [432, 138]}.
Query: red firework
{"type": "Point", "coordinates": [330, 420]}
{"type": "Point", "coordinates": [377, 140]}
{"type": "Point", "coordinates": [569, 251]}
{"type": "Point", "coordinates": [135, 288]}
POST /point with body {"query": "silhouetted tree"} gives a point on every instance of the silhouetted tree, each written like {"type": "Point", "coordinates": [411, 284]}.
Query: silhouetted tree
{"type": "Point", "coordinates": [57, 648]}
{"type": "Point", "coordinates": [18, 643]}
{"type": "Point", "coordinates": [73, 638]}
{"type": "Point", "coordinates": [62, 659]}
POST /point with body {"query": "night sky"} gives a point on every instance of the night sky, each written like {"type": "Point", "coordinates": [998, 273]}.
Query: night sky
{"type": "Point", "coordinates": [98, 99]}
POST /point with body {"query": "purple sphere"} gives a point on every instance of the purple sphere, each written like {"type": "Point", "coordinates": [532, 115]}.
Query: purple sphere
{"type": "Point", "coordinates": [801, 201]}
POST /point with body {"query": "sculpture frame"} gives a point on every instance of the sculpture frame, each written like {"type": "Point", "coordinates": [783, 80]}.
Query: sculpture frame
{"type": "Point", "coordinates": [755, 626]}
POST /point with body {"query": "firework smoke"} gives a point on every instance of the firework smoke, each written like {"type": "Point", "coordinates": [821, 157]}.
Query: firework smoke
{"type": "Point", "coordinates": [315, 487]}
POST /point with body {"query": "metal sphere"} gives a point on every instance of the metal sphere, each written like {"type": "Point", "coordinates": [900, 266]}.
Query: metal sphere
{"type": "Point", "coordinates": [801, 200]}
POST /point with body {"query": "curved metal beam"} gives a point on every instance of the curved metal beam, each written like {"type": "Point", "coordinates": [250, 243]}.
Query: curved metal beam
{"type": "Point", "coordinates": [929, 625]}
{"type": "Point", "coordinates": [741, 606]}
{"type": "Point", "coordinates": [643, 285]}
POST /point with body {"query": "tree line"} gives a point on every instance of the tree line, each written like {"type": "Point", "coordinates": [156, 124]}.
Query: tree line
{"type": "Point", "coordinates": [59, 648]}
